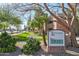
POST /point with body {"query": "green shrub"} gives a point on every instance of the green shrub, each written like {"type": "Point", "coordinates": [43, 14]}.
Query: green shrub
{"type": "Point", "coordinates": [5, 50]}
{"type": "Point", "coordinates": [7, 43]}
{"type": "Point", "coordinates": [32, 46]}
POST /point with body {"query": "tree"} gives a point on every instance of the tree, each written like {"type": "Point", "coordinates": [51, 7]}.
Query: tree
{"type": "Point", "coordinates": [39, 23]}
{"type": "Point", "coordinates": [69, 18]}
{"type": "Point", "coordinates": [41, 18]}
{"type": "Point", "coordinates": [16, 22]}
{"type": "Point", "coordinates": [4, 25]}
{"type": "Point", "coordinates": [76, 25]}
{"type": "Point", "coordinates": [69, 22]}
{"type": "Point", "coordinates": [8, 18]}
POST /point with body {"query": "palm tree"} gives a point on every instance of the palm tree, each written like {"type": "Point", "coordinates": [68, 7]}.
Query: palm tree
{"type": "Point", "coordinates": [39, 23]}
{"type": "Point", "coordinates": [4, 25]}
{"type": "Point", "coordinates": [41, 19]}
{"type": "Point", "coordinates": [16, 22]}
{"type": "Point", "coordinates": [9, 18]}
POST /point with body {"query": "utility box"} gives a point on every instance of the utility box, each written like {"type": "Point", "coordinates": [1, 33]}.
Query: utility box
{"type": "Point", "coordinates": [56, 41]}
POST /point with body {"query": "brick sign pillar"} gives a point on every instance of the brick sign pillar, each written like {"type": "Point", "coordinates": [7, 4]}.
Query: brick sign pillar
{"type": "Point", "coordinates": [56, 41]}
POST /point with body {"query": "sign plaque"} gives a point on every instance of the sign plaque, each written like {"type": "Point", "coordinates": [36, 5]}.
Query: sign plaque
{"type": "Point", "coordinates": [56, 40]}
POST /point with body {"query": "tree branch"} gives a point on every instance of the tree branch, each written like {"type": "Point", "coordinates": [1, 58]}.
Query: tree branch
{"type": "Point", "coordinates": [56, 16]}
{"type": "Point", "coordinates": [62, 5]}
{"type": "Point", "coordinates": [73, 8]}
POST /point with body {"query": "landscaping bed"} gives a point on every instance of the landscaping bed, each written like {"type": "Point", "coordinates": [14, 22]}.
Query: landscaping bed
{"type": "Point", "coordinates": [27, 45]}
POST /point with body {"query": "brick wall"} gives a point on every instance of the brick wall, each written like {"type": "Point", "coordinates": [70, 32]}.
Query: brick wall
{"type": "Point", "coordinates": [56, 49]}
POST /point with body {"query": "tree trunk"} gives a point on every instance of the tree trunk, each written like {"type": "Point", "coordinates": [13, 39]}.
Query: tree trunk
{"type": "Point", "coordinates": [73, 36]}
{"type": "Point", "coordinates": [73, 39]}
{"type": "Point", "coordinates": [44, 39]}
{"type": "Point", "coordinates": [44, 33]}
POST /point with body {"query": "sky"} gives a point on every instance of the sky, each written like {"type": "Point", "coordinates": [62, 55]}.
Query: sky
{"type": "Point", "coordinates": [26, 15]}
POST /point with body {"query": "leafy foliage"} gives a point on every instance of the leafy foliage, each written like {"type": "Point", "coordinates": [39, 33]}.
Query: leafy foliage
{"type": "Point", "coordinates": [38, 22]}
{"type": "Point", "coordinates": [8, 18]}
{"type": "Point", "coordinates": [3, 25]}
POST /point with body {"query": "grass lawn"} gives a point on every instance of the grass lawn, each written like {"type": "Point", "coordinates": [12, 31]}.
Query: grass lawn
{"type": "Point", "coordinates": [24, 36]}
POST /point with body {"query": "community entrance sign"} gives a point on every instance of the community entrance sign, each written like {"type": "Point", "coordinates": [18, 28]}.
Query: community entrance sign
{"type": "Point", "coordinates": [56, 40]}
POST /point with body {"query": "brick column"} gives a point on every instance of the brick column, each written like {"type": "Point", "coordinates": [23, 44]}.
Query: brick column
{"type": "Point", "coordinates": [56, 49]}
